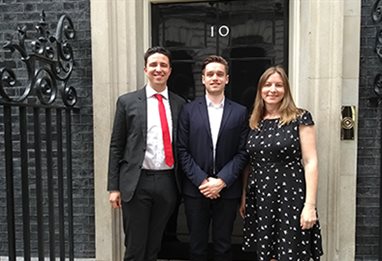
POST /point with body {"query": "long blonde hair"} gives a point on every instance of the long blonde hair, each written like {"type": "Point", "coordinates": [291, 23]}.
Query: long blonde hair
{"type": "Point", "coordinates": [288, 110]}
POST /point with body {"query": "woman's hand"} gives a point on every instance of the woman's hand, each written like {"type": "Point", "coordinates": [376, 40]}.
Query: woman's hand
{"type": "Point", "coordinates": [308, 216]}
{"type": "Point", "coordinates": [242, 206]}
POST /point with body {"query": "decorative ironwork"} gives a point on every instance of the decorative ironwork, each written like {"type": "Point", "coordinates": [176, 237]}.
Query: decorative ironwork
{"type": "Point", "coordinates": [377, 87]}
{"type": "Point", "coordinates": [378, 44]}
{"type": "Point", "coordinates": [37, 106]}
{"type": "Point", "coordinates": [376, 16]}
{"type": "Point", "coordinates": [48, 60]}
{"type": "Point", "coordinates": [377, 11]}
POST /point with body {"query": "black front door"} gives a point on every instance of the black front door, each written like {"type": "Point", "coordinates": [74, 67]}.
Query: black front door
{"type": "Point", "coordinates": [251, 35]}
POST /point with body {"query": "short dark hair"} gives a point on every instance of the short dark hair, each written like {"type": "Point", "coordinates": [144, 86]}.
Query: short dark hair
{"type": "Point", "coordinates": [215, 59]}
{"type": "Point", "coordinates": [157, 49]}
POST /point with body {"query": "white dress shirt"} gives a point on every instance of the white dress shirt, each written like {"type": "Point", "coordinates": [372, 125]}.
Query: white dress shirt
{"type": "Point", "coordinates": [154, 155]}
{"type": "Point", "coordinates": [215, 115]}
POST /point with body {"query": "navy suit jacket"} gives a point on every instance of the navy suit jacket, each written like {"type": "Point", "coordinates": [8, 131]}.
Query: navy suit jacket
{"type": "Point", "coordinates": [195, 148]}
{"type": "Point", "coordinates": [129, 139]}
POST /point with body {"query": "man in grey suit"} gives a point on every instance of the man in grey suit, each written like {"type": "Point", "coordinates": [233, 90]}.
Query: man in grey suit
{"type": "Point", "coordinates": [142, 164]}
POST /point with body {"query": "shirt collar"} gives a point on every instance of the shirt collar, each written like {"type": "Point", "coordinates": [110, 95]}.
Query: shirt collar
{"type": "Point", "coordinates": [211, 104]}
{"type": "Point", "coordinates": [150, 92]}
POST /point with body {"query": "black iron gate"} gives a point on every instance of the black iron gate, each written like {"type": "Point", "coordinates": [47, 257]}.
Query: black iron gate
{"type": "Point", "coordinates": [37, 110]}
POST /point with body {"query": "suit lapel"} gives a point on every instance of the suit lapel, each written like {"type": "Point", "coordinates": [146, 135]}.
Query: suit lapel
{"type": "Point", "coordinates": [142, 106]}
{"type": "Point", "coordinates": [226, 114]}
{"type": "Point", "coordinates": [175, 108]}
{"type": "Point", "coordinates": [203, 111]}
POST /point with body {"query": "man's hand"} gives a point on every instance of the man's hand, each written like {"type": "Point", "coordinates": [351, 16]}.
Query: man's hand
{"type": "Point", "coordinates": [211, 187]}
{"type": "Point", "coordinates": [115, 199]}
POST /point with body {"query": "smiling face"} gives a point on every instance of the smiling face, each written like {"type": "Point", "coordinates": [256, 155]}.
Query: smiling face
{"type": "Point", "coordinates": [215, 78]}
{"type": "Point", "coordinates": [158, 70]}
{"type": "Point", "coordinates": [273, 90]}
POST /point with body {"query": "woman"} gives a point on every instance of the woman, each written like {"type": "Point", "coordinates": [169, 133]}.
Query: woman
{"type": "Point", "coordinates": [280, 185]}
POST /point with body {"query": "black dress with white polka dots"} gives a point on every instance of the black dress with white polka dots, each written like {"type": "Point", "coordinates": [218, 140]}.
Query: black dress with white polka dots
{"type": "Point", "coordinates": [276, 194]}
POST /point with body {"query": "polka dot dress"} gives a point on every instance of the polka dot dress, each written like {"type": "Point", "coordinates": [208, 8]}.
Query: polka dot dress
{"type": "Point", "coordinates": [276, 195]}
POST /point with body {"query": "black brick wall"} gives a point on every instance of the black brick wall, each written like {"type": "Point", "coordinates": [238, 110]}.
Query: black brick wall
{"type": "Point", "coordinates": [369, 142]}
{"type": "Point", "coordinates": [15, 13]}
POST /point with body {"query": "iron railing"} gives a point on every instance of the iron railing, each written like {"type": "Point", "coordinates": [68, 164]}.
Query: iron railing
{"type": "Point", "coordinates": [37, 128]}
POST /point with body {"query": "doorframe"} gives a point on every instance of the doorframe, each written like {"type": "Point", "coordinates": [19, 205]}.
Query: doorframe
{"type": "Point", "coordinates": [323, 55]}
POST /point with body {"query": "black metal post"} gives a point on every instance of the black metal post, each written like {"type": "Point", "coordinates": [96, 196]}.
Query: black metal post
{"type": "Point", "coordinates": [39, 186]}
{"type": "Point", "coordinates": [9, 182]}
{"type": "Point", "coordinates": [69, 182]}
{"type": "Point", "coordinates": [380, 192]}
{"type": "Point", "coordinates": [25, 181]}
{"type": "Point", "coordinates": [60, 181]}
{"type": "Point", "coordinates": [49, 163]}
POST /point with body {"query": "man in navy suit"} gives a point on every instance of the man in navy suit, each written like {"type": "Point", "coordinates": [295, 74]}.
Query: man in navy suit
{"type": "Point", "coordinates": [212, 132]}
{"type": "Point", "coordinates": [142, 177]}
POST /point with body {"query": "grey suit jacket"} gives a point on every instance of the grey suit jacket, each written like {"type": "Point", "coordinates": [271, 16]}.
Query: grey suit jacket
{"type": "Point", "coordinates": [128, 141]}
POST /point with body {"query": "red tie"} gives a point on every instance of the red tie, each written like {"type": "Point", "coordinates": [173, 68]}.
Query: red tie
{"type": "Point", "coordinates": [169, 159]}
